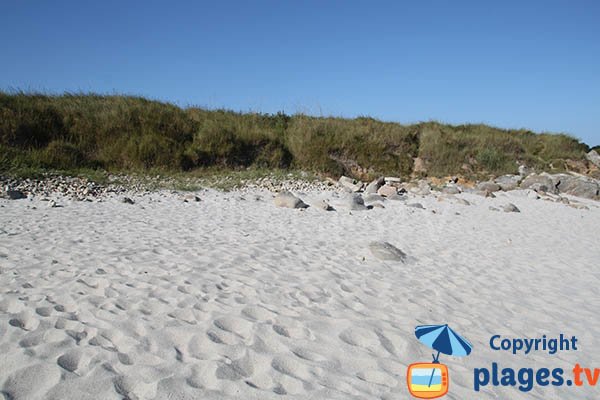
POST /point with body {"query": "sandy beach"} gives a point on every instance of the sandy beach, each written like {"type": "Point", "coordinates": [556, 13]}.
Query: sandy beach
{"type": "Point", "coordinates": [233, 297]}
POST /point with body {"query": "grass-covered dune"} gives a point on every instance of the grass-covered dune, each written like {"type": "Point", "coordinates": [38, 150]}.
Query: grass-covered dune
{"type": "Point", "coordinates": [122, 133]}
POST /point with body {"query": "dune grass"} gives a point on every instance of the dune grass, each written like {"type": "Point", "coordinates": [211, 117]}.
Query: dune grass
{"type": "Point", "coordinates": [90, 132]}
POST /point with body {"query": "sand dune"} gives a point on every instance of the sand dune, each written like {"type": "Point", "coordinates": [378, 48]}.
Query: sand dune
{"type": "Point", "coordinates": [233, 297]}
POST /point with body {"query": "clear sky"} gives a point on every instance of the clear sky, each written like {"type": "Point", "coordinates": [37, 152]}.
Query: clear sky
{"type": "Point", "coordinates": [513, 64]}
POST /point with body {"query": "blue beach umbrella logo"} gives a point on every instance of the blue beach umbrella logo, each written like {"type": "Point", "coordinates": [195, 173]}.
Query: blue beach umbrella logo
{"type": "Point", "coordinates": [431, 380]}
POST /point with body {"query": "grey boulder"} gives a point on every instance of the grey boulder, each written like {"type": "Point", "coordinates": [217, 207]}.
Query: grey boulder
{"type": "Point", "coordinates": [451, 189]}
{"type": "Point", "coordinates": [593, 157]}
{"type": "Point", "coordinates": [351, 185]}
{"type": "Point", "coordinates": [539, 183]}
{"type": "Point", "coordinates": [386, 251]}
{"type": "Point", "coordinates": [14, 195]}
{"type": "Point", "coordinates": [578, 186]}
{"type": "Point", "coordinates": [374, 186]}
{"type": "Point", "coordinates": [387, 190]}
{"type": "Point", "coordinates": [510, 207]}
{"type": "Point", "coordinates": [286, 199]}
{"type": "Point", "coordinates": [355, 202]}
{"type": "Point", "coordinates": [508, 182]}
{"type": "Point", "coordinates": [488, 186]}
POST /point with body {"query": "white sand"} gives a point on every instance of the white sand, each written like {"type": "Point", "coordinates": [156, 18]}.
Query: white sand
{"type": "Point", "coordinates": [235, 298]}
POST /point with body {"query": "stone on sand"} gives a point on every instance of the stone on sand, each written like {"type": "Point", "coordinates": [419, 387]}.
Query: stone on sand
{"type": "Point", "coordinates": [191, 198]}
{"type": "Point", "coordinates": [288, 200]}
{"type": "Point", "coordinates": [387, 190]}
{"type": "Point", "coordinates": [14, 195]}
{"type": "Point", "coordinates": [374, 186]}
{"type": "Point", "coordinates": [451, 189]}
{"type": "Point", "coordinates": [488, 186]}
{"type": "Point", "coordinates": [355, 202]}
{"type": "Point", "coordinates": [510, 207]}
{"type": "Point", "coordinates": [352, 185]}
{"type": "Point", "coordinates": [386, 251]}
{"type": "Point", "coordinates": [324, 205]}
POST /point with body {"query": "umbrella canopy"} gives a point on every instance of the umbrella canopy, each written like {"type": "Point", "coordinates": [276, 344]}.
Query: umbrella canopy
{"type": "Point", "coordinates": [443, 339]}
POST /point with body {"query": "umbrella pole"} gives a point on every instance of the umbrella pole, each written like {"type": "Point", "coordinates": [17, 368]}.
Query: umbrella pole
{"type": "Point", "coordinates": [435, 360]}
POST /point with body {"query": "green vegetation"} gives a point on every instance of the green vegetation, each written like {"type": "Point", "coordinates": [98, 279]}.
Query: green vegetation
{"type": "Point", "coordinates": [88, 132]}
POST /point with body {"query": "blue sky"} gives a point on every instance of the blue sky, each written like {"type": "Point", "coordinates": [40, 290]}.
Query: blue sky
{"type": "Point", "coordinates": [513, 64]}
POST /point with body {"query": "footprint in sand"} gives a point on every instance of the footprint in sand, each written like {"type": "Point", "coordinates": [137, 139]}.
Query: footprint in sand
{"type": "Point", "coordinates": [237, 326]}
{"type": "Point", "coordinates": [31, 382]}
{"type": "Point", "coordinates": [291, 328]}
{"type": "Point", "coordinates": [238, 369]}
{"type": "Point", "coordinates": [295, 368]}
{"type": "Point", "coordinates": [74, 360]}
{"type": "Point", "coordinates": [25, 320]}
{"type": "Point", "coordinates": [258, 313]}
{"type": "Point", "coordinates": [377, 377]}
{"type": "Point", "coordinates": [10, 305]}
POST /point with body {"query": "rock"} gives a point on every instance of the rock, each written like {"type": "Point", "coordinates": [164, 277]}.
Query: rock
{"type": "Point", "coordinates": [524, 170]}
{"type": "Point", "coordinates": [451, 189]}
{"type": "Point", "coordinates": [324, 205]}
{"type": "Point", "coordinates": [532, 194]}
{"type": "Point", "coordinates": [578, 186]}
{"type": "Point", "coordinates": [510, 207]}
{"type": "Point", "coordinates": [52, 204]}
{"type": "Point", "coordinates": [127, 200]}
{"type": "Point", "coordinates": [14, 195]}
{"type": "Point", "coordinates": [377, 205]}
{"type": "Point", "coordinates": [392, 179]}
{"type": "Point", "coordinates": [539, 183]}
{"type": "Point", "coordinates": [462, 201]}
{"type": "Point", "coordinates": [374, 186]}
{"type": "Point", "coordinates": [355, 202]}
{"type": "Point", "coordinates": [422, 189]}
{"type": "Point", "coordinates": [189, 198]}
{"type": "Point", "coordinates": [593, 157]}
{"type": "Point", "coordinates": [288, 200]}
{"type": "Point", "coordinates": [416, 205]}
{"type": "Point", "coordinates": [493, 208]}
{"type": "Point", "coordinates": [387, 190]}
{"type": "Point", "coordinates": [350, 184]}
{"type": "Point", "coordinates": [488, 186]}
{"type": "Point", "coordinates": [508, 182]}
{"type": "Point", "coordinates": [386, 251]}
